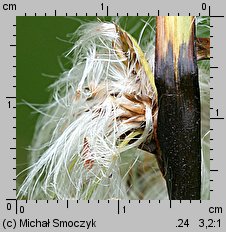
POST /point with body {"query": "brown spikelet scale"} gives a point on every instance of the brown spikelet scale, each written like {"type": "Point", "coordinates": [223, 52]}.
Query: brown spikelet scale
{"type": "Point", "coordinates": [203, 48]}
{"type": "Point", "coordinates": [126, 51]}
{"type": "Point", "coordinates": [86, 152]}
{"type": "Point", "coordinates": [134, 108]}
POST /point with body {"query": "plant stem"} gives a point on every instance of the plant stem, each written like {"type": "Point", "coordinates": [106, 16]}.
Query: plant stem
{"type": "Point", "coordinates": [178, 126]}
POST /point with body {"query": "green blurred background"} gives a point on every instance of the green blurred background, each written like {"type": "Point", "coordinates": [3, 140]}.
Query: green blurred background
{"type": "Point", "coordinates": [42, 43]}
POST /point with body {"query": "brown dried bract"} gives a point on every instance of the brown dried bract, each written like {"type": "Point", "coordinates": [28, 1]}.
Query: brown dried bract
{"type": "Point", "coordinates": [86, 153]}
{"type": "Point", "coordinates": [203, 48]}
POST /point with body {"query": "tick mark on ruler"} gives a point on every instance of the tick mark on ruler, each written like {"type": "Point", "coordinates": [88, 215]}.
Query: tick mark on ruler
{"type": "Point", "coordinates": [216, 16]}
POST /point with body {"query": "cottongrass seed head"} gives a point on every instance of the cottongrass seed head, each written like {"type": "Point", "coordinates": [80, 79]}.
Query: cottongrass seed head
{"type": "Point", "coordinates": [86, 141]}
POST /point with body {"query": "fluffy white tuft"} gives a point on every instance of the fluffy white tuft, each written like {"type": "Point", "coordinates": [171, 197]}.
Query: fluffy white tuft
{"type": "Point", "coordinates": [82, 132]}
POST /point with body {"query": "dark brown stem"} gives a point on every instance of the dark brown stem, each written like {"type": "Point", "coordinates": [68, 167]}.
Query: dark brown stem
{"type": "Point", "coordinates": [178, 125]}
